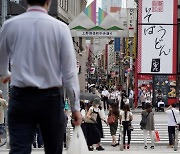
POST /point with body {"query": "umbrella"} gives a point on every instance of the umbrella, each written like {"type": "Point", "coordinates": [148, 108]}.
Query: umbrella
{"type": "Point", "coordinates": [88, 96]}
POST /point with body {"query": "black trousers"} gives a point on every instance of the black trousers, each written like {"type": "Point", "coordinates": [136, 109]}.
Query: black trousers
{"type": "Point", "coordinates": [127, 131]}
{"type": "Point", "coordinates": [171, 133]}
{"type": "Point", "coordinates": [106, 103]}
{"type": "Point", "coordinates": [29, 107]}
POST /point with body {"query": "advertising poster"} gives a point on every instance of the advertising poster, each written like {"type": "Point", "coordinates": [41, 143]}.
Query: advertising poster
{"type": "Point", "coordinates": [165, 86]}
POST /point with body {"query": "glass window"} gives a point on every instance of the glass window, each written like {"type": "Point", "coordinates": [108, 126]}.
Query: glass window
{"type": "Point", "coordinates": [61, 3]}
{"type": "Point", "coordinates": [66, 5]}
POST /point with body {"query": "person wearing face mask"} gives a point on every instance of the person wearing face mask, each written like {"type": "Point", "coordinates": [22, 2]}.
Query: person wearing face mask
{"type": "Point", "coordinates": [40, 50]}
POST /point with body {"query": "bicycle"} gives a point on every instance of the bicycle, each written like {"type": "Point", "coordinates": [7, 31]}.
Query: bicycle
{"type": "Point", "coordinates": [3, 136]}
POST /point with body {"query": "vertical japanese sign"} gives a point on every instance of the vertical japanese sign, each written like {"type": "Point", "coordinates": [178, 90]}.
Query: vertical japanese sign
{"type": "Point", "coordinates": [117, 44]}
{"type": "Point", "coordinates": [157, 36]}
{"type": "Point", "coordinates": [131, 21]}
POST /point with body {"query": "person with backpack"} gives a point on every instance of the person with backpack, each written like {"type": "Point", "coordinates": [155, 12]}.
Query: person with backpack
{"type": "Point", "coordinates": [148, 115]}
{"type": "Point", "coordinates": [172, 115]}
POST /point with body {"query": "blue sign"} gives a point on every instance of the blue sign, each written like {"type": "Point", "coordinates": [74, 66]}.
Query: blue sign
{"type": "Point", "coordinates": [117, 44]}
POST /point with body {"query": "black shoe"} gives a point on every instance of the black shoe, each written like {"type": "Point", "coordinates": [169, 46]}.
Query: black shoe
{"type": "Point", "coordinates": [145, 147]}
{"type": "Point", "coordinates": [100, 148]}
{"type": "Point", "coordinates": [114, 145]}
{"type": "Point", "coordinates": [117, 144]}
{"type": "Point", "coordinates": [90, 148]}
{"type": "Point", "coordinates": [34, 145]}
{"type": "Point", "coordinates": [152, 147]}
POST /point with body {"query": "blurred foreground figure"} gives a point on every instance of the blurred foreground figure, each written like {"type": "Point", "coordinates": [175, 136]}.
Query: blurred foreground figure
{"type": "Point", "coordinates": [42, 60]}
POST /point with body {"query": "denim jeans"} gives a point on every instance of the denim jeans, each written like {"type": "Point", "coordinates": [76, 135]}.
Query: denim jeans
{"type": "Point", "coordinates": [29, 108]}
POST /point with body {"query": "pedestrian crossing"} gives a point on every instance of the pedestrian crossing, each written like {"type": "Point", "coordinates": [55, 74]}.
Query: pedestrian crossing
{"type": "Point", "coordinates": [136, 135]}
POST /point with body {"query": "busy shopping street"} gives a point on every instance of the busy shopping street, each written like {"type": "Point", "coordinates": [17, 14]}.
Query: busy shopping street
{"type": "Point", "coordinates": [89, 76]}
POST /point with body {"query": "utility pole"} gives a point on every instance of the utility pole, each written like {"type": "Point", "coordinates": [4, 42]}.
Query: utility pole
{"type": "Point", "coordinates": [131, 7]}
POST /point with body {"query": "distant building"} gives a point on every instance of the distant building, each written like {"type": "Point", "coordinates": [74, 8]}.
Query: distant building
{"type": "Point", "coordinates": [107, 4]}
{"type": "Point", "coordinates": [64, 10]}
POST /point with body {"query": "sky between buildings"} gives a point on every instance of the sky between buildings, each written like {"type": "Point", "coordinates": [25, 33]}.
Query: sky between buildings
{"type": "Point", "coordinates": [99, 2]}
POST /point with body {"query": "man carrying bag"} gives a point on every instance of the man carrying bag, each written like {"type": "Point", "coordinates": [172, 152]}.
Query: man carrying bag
{"type": "Point", "coordinates": [172, 115]}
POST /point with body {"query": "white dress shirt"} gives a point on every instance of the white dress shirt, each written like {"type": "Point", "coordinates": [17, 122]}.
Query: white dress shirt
{"type": "Point", "coordinates": [41, 53]}
{"type": "Point", "coordinates": [105, 93]}
{"type": "Point", "coordinates": [170, 117]}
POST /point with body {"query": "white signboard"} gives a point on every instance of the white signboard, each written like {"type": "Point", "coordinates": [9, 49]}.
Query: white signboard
{"type": "Point", "coordinates": [157, 36]}
{"type": "Point", "coordinates": [100, 33]}
{"type": "Point", "coordinates": [131, 22]}
{"type": "Point", "coordinates": [96, 33]}
{"type": "Point", "coordinates": [157, 11]}
{"type": "Point", "coordinates": [157, 53]}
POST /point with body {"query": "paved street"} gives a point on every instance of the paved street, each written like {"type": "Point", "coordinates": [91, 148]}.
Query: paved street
{"type": "Point", "coordinates": [160, 118]}
{"type": "Point", "coordinates": [110, 150]}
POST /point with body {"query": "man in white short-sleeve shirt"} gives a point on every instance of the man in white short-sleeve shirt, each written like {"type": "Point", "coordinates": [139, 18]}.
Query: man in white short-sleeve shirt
{"type": "Point", "coordinates": [172, 115]}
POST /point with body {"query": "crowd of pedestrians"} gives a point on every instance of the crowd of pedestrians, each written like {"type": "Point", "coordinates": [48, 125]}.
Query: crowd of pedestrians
{"type": "Point", "coordinates": [119, 104]}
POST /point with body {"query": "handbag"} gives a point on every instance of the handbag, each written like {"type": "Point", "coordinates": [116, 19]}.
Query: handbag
{"type": "Point", "coordinates": [111, 119]}
{"type": "Point", "coordinates": [143, 121]}
{"type": "Point", "coordinates": [131, 128]}
{"type": "Point", "coordinates": [176, 120]}
{"type": "Point", "coordinates": [78, 143]}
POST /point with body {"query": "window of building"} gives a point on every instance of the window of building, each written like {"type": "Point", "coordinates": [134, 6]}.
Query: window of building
{"type": "Point", "coordinates": [61, 3]}
{"type": "Point", "coordinates": [66, 5]}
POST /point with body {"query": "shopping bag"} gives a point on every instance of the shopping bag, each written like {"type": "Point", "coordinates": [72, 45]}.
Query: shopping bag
{"type": "Point", "coordinates": [157, 137]}
{"type": "Point", "coordinates": [78, 143]}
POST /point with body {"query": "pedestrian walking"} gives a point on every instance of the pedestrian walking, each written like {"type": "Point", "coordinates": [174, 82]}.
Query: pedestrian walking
{"type": "Point", "coordinates": [92, 131]}
{"type": "Point", "coordinates": [38, 138]}
{"type": "Point", "coordinates": [105, 95]}
{"type": "Point", "coordinates": [126, 117]}
{"type": "Point", "coordinates": [131, 98]}
{"type": "Point", "coordinates": [123, 99]}
{"type": "Point", "coordinates": [114, 111]}
{"type": "Point", "coordinates": [42, 60]}
{"type": "Point", "coordinates": [149, 127]}
{"type": "Point", "coordinates": [172, 116]}
{"type": "Point", "coordinates": [143, 99]}
{"type": "Point", "coordinates": [100, 116]}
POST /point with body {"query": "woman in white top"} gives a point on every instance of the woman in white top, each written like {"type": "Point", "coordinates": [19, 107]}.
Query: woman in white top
{"type": "Point", "coordinates": [125, 119]}
{"type": "Point", "coordinates": [93, 133]}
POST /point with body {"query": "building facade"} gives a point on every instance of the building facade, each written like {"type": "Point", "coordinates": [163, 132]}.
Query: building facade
{"type": "Point", "coordinates": [107, 4]}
